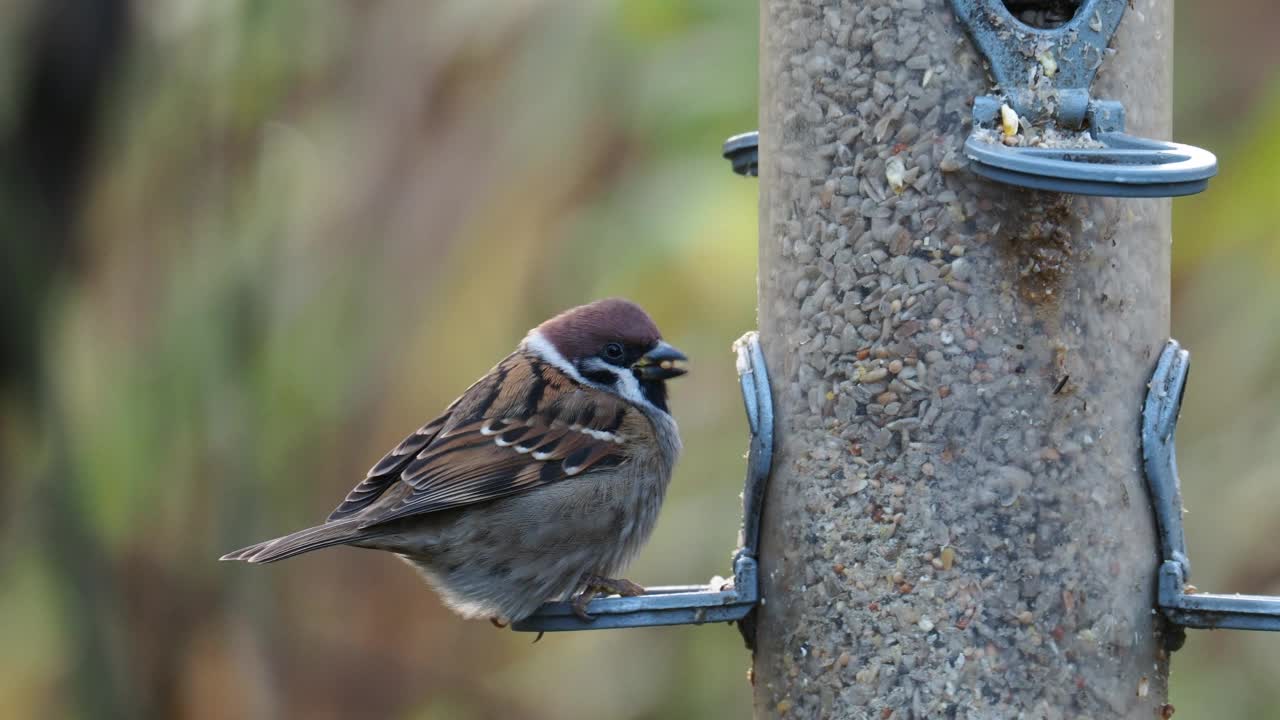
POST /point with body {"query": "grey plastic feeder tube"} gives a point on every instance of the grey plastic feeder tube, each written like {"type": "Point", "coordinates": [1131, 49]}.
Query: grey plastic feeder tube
{"type": "Point", "coordinates": [957, 523]}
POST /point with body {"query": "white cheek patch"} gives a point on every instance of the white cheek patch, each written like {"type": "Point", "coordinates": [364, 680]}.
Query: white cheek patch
{"type": "Point", "coordinates": [548, 352]}
{"type": "Point", "coordinates": [625, 383]}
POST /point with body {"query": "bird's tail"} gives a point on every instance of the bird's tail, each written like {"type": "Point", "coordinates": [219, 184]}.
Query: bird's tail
{"type": "Point", "coordinates": [313, 538]}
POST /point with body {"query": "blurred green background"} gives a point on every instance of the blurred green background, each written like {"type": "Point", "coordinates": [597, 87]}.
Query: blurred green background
{"type": "Point", "coordinates": [248, 245]}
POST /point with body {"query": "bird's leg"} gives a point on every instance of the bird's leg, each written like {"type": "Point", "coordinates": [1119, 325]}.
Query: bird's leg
{"type": "Point", "coordinates": [595, 585]}
{"type": "Point", "coordinates": [498, 622]}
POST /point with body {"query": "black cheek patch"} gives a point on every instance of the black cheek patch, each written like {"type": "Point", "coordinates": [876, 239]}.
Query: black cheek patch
{"type": "Point", "coordinates": [600, 377]}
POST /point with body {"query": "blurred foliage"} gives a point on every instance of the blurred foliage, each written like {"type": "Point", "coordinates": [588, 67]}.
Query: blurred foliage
{"type": "Point", "coordinates": [305, 227]}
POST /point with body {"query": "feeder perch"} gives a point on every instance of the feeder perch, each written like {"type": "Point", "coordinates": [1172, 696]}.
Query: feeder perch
{"type": "Point", "coordinates": [1183, 609]}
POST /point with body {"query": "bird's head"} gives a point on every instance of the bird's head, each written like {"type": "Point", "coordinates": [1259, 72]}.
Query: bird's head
{"type": "Point", "coordinates": [612, 344]}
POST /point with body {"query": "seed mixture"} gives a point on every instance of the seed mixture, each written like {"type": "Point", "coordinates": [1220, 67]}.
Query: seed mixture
{"type": "Point", "coordinates": [957, 524]}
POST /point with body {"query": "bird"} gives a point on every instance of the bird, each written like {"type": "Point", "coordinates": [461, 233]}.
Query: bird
{"type": "Point", "coordinates": [540, 482]}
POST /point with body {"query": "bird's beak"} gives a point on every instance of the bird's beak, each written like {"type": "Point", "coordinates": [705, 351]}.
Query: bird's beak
{"type": "Point", "coordinates": [663, 362]}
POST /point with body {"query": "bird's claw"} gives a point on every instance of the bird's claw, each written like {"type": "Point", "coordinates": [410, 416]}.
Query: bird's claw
{"type": "Point", "coordinates": [596, 585]}
{"type": "Point", "coordinates": [579, 605]}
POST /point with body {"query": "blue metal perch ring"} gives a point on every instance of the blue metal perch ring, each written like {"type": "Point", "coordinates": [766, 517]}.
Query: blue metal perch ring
{"type": "Point", "coordinates": [743, 151]}
{"type": "Point", "coordinates": [1126, 166]}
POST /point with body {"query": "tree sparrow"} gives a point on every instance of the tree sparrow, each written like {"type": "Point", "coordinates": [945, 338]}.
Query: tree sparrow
{"type": "Point", "coordinates": [540, 482]}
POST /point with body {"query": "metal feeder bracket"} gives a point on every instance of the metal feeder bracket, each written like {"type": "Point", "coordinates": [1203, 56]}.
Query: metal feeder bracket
{"type": "Point", "coordinates": [720, 600]}
{"type": "Point", "coordinates": [1193, 610]}
{"type": "Point", "coordinates": [743, 150]}
{"type": "Point", "coordinates": [1116, 164]}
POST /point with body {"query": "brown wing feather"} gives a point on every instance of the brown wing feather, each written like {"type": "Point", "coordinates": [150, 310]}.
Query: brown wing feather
{"type": "Point", "coordinates": [491, 445]}
{"type": "Point", "coordinates": [388, 469]}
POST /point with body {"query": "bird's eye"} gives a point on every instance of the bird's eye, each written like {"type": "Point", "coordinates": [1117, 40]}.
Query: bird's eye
{"type": "Point", "coordinates": [613, 351]}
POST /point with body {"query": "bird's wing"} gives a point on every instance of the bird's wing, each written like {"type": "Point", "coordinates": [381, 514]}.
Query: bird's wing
{"type": "Point", "coordinates": [524, 425]}
{"type": "Point", "coordinates": [388, 469]}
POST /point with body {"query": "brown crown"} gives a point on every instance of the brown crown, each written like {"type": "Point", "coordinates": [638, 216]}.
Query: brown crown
{"type": "Point", "coordinates": [584, 330]}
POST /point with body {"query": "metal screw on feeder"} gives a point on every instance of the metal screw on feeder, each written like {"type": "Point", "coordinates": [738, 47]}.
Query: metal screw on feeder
{"type": "Point", "coordinates": [1063, 62]}
{"type": "Point", "coordinates": [718, 601]}
{"type": "Point", "coordinates": [1183, 609]}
